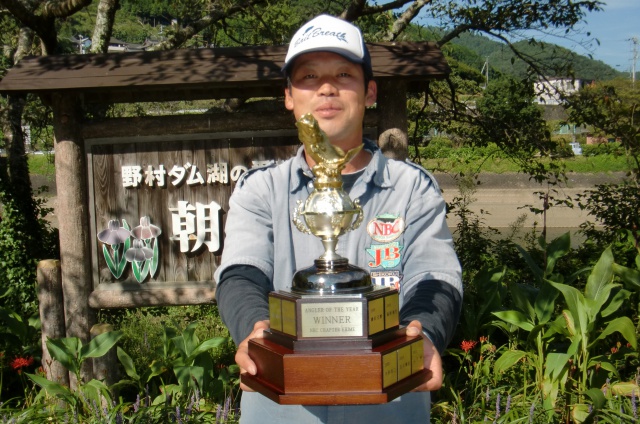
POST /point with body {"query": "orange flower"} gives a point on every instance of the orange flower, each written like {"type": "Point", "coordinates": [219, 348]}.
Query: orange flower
{"type": "Point", "coordinates": [467, 345]}
{"type": "Point", "coordinates": [19, 363]}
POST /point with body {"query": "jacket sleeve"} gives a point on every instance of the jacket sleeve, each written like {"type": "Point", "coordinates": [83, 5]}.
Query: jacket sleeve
{"type": "Point", "coordinates": [437, 306]}
{"type": "Point", "coordinates": [432, 286]}
{"type": "Point", "coordinates": [241, 295]}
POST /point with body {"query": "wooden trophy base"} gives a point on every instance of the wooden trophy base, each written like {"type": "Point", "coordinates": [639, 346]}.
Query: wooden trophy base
{"type": "Point", "coordinates": [340, 377]}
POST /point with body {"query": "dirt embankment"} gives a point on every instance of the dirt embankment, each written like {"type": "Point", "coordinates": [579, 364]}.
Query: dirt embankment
{"type": "Point", "coordinates": [502, 198]}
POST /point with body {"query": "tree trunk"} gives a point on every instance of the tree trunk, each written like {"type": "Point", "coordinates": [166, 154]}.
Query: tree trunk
{"type": "Point", "coordinates": [72, 204]}
{"type": "Point", "coordinates": [104, 25]}
{"type": "Point", "coordinates": [18, 166]}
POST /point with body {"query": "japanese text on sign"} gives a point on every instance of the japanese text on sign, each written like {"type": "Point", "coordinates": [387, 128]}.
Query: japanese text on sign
{"type": "Point", "coordinates": [134, 176]}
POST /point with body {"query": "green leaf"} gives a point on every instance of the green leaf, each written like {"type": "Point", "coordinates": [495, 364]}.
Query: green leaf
{"type": "Point", "coordinates": [507, 360]}
{"type": "Point", "coordinates": [109, 261]}
{"type": "Point", "coordinates": [580, 413]}
{"type": "Point", "coordinates": [155, 260]}
{"type": "Point", "coordinates": [557, 249]}
{"type": "Point", "coordinates": [537, 271]}
{"type": "Point", "coordinates": [545, 302]}
{"type": "Point", "coordinates": [576, 304]}
{"type": "Point", "coordinates": [53, 389]}
{"type": "Point", "coordinates": [186, 375]}
{"type": "Point", "coordinates": [66, 352]}
{"type": "Point", "coordinates": [14, 323]}
{"type": "Point", "coordinates": [629, 276]}
{"type": "Point", "coordinates": [97, 390]}
{"type": "Point", "coordinates": [100, 345]}
{"type": "Point", "coordinates": [135, 265]}
{"type": "Point", "coordinates": [603, 363]}
{"type": "Point", "coordinates": [555, 365]}
{"type": "Point", "coordinates": [157, 368]}
{"type": "Point", "coordinates": [205, 346]}
{"type": "Point", "coordinates": [127, 363]}
{"type": "Point", "coordinates": [167, 344]}
{"type": "Point", "coordinates": [516, 318]}
{"type": "Point", "coordinates": [622, 325]}
{"type": "Point", "coordinates": [620, 297]}
{"type": "Point", "coordinates": [599, 282]}
{"type": "Point", "coordinates": [122, 263]}
{"type": "Point", "coordinates": [597, 397]}
{"type": "Point", "coordinates": [522, 295]}
{"type": "Point", "coordinates": [190, 338]}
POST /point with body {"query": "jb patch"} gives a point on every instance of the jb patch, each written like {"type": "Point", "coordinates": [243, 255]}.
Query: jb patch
{"type": "Point", "coordinates": [385, 255]}
{"type": "Point", "coordinates": [385, 228]}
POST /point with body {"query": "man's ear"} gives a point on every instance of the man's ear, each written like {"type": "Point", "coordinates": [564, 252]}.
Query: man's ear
{"type": "Point", "coordinates": [372, 93]}
{"type": "Point", "coordinates": [288, 101]}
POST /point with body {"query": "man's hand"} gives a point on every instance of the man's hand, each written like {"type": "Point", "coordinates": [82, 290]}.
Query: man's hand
{"type": "Point", "coordinates": [432, 360]}
{"type": "Point", "coordinates": [242, 355]}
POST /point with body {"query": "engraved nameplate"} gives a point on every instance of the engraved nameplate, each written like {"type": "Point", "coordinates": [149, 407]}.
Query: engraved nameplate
{"type": "Point", "coordinates": [332, 319]}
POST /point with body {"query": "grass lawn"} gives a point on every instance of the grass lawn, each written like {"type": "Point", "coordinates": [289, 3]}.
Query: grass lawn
{"type": "Point", "coordinates": [603, 163]}
{"type": "Point", "coordinates": [582, 164]}
{"type": "Point", "coordinates": [41, 165]}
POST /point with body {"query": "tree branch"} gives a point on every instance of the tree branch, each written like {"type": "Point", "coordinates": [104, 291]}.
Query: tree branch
{"type": "Point", "coordinates": [453, 34]}
{"type": "Point", "coordinates": [184, 34]}
{"type": "Point", "coordinates": [405, 19]}
{"type": "Point", "coordinates": [372, 10]}
{"type": "Point", "coordinates": [353, 11]}
{"type": "Point", "coordinates": [62, 9]}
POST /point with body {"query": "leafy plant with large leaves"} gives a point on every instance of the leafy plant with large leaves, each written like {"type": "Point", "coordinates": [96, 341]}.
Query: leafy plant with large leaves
{"type": "Point", "coordinates": [566, 348]}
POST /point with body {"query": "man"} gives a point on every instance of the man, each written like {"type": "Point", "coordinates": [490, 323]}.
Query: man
{"type": "Point", "coordinates": [329, 74]}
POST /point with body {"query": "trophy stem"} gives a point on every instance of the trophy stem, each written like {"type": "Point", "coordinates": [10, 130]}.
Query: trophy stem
{"type": "Point", "coordinates": [330, 244]}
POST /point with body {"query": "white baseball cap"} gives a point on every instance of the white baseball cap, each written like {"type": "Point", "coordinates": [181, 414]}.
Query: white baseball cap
{"type": "Point", "coordinates": [326, 33]}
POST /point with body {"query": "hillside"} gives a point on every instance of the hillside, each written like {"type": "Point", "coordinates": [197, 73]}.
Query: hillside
{"type": "Point", "coordinates": [555, 58]}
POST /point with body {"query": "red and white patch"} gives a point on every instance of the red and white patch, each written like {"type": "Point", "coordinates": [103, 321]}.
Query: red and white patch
{"type": "Point", "coordinates": [385, 228]}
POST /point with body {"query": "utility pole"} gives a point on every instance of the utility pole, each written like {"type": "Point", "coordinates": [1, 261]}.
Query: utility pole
{"type": "Point", "coordinates": [485, 72]}
{"type": "Point", "coordinates": [634, 41]}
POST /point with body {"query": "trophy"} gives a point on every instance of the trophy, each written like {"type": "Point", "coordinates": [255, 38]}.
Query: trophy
{"type": "Point", "coordinates": [334, 338]}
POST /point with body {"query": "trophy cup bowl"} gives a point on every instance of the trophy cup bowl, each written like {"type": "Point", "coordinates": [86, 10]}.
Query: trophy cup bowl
{"type": "Point", "coordinates": [328, 213]}
{"type": "Point", "coordinates": [334, 338]}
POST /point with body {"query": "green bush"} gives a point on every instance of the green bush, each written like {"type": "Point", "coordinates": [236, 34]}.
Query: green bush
{"type": "Point", "coordinates": [143, 329]}
{"type": "Point", "coordinates": [614, 149]}
{"type": "Point", "coordinates": [18, 260]}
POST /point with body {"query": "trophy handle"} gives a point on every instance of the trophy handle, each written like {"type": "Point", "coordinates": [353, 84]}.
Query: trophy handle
{"type": "Point", "coordinates": [356, 223]}
{"type": "Point", "coordinates": [297, 219]}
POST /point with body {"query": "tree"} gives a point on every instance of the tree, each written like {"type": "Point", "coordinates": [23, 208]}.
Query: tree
{"type": "Point", "coordinates": [611, 109]}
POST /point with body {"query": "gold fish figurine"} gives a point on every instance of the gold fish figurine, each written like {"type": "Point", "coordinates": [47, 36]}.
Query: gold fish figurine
{"type": "Point", "coordinates": [330, 160]}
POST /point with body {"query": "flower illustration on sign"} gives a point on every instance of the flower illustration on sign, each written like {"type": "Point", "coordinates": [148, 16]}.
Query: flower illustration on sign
{"type": "Point", "coordinates": [142, 252]}
{"type": "Point", "coordinates": [146, 230]}
{"type": "Point", "coordinates": [115, 236]}
{"type": "Point", "coordinates": [139, 252]}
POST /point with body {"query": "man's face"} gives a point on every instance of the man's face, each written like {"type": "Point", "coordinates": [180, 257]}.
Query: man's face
{"type": "Point", "coordinates": [331, 88]}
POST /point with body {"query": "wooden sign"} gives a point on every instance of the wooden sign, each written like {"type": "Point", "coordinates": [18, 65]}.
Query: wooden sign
{"type": "Point", "coordinates": [157, 211]}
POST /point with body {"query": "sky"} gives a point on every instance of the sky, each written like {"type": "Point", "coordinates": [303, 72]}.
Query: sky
{"type": "Point", "coordinates": [614, 27]}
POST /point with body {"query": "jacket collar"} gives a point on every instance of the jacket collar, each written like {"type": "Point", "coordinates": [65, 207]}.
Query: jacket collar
{"type": "Point", "coordinates": [375, 172]}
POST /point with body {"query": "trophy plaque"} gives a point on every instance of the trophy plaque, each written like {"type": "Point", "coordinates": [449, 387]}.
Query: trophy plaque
{"type": "Point", "coordinates": [334, 338]}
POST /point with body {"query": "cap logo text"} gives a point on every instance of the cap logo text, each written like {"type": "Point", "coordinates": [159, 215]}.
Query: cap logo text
{"type": "Point", "coordinates": [313, 32]}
